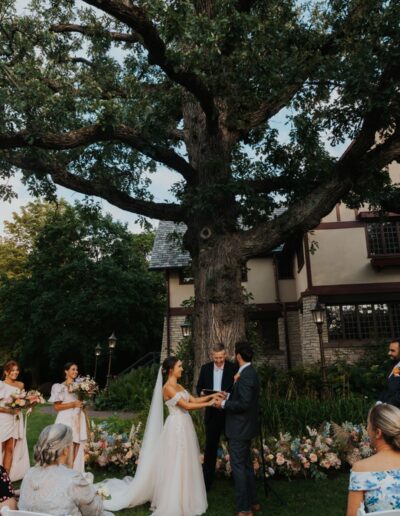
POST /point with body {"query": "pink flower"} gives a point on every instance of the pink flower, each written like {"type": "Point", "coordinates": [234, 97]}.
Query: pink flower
{"type": "Point", "coordinates": [313, 457]}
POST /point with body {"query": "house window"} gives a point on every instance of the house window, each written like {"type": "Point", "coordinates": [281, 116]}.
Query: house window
{"type": "Point", "coordinates": [268, 333]}
{"type": "Point", "coordinates": [186, 276]}
{"type": "Point", "coordinates": [383, 238]}
{"type": "Point", "coordinates": [363, 321]}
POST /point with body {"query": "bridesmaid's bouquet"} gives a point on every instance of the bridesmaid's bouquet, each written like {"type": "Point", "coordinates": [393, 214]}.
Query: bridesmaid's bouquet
{"type": "Point", "coordinates": [84, 387]}
{"type": "Point", "coordinates": [23, 400]}
{"type": "Point", "coordinates": [34, 398]}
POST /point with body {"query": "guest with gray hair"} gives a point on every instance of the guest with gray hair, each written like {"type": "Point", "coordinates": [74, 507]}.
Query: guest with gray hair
{"type": "Point", "coordinates": [51, 486]}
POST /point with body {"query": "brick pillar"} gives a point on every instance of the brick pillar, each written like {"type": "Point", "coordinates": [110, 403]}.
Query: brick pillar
{"type": "Point", "coordinates": [309, 334]}
{"type": "Point", "coordinates": [175, 334]}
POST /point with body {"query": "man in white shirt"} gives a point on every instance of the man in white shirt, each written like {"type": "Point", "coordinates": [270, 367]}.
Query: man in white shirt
{"type": "Point", "coordinates": [217, 375]}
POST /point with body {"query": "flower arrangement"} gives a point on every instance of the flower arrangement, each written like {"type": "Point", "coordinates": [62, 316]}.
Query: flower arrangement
{"type": "Point", "coordinates": [113, 450]}
{"type": "Point", "coordinates": [84, 387]}
{"type": "Point", "coordinates": [328, 449]}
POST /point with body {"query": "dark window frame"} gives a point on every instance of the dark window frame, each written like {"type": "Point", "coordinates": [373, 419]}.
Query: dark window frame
{"type": "Point", "coordinates": [377, 245]}
{"type": "Point", "coordinates": [364, 327]}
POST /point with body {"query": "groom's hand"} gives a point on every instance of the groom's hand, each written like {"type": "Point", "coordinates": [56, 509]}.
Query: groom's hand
{"type": "Point", "coordinates": [218, 403]}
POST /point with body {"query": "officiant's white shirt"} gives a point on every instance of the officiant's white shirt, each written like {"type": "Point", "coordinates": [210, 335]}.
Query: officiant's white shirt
{"type": "Point", "coordinates": [217, 379]}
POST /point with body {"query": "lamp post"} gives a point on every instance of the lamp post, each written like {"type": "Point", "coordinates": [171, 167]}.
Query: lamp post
{"type": "Point", "coordinates": [97, 353]}
{"type": "Point", "coordinates": [112, 342]}
{"type": "Point", "coordinates": [318, 315]}
{"type": "Point", "coordinates": [186, 327]}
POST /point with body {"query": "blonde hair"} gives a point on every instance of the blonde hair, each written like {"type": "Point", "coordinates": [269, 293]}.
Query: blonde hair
{"type": "Point", "coordinates": [386, 418]}
{"type": "Point", "coordinates": [52, 441]}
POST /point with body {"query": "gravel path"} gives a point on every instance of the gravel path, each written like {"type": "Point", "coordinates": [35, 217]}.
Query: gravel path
{"type": "Point", "coordinates": [101, 414]}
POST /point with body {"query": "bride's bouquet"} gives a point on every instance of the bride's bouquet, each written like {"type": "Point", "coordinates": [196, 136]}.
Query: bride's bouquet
{"type": "Point", "coordinates": [84, 387]}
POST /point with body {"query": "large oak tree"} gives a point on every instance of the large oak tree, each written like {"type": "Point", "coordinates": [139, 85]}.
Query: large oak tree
{"type": "Point", "coordinates": [96, 94]}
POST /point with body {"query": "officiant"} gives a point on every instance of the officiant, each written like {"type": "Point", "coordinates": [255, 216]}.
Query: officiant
{"type": "Point", "coordinates": [217, 375]}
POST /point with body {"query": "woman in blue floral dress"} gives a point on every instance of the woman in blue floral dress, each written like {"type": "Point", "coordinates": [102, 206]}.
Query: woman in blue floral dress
{"type": "Point", "coordinates": [375, 482]}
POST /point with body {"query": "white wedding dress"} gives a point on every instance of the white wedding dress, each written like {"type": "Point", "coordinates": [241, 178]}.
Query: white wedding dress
{"type": "Point", "coordinates": [169, 473]}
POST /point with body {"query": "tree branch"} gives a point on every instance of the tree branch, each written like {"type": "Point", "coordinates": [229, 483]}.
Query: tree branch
{"type": "Point", "coordinates": [136, 18]}
{"type": "Point", "coordinates": [94, 31]}
{"type": "Point", "coordinates": [361, 158]}
{"type": "Point", "coordinates": [266, 185]}
{"type": "Point", "coordinates": [62, 177]}
{"type": "Point", "coordinates": [270, 108]}
{"type": "Point", "coordinates": [97, 133]}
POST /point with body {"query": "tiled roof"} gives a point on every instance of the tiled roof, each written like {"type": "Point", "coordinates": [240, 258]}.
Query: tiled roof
{"type": "Point", "coordinates": [168, 254]}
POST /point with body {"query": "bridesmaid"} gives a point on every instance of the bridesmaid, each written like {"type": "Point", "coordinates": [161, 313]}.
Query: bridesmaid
{"type": "Point", "coordinates": [70, 413]}
{"type": "Point", "coordinates": [14, 456]}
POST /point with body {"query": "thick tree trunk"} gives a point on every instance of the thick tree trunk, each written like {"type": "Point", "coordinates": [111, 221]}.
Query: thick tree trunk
{"type": "Point", "coordinates": [219, 310]}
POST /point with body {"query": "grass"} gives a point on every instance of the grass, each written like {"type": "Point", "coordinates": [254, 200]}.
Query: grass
{"type": "Point", "coordinates": [299, 497]}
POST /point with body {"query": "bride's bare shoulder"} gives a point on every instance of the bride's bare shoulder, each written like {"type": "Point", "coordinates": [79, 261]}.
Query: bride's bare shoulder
{"type": "Point", "coordinates": [169, 391]}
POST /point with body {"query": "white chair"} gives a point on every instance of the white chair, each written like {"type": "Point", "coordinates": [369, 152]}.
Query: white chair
{"type": "Point", "coordinates": [5, 511]}
{"type": "Point", "coordinates": [361, 512]}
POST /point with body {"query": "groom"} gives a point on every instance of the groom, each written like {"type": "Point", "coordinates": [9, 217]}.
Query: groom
{"type": "Point", "coordinates": [241, 426]}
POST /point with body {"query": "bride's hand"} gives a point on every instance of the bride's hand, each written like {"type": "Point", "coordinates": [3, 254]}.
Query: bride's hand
{"type": "Point", "coordinates": [219, 396]}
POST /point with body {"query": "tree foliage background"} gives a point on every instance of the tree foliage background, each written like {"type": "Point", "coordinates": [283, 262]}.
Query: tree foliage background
{"type": "Point", "coordinates": [69, 276]}
{"type": "Point", "coordinates": [97, 93]}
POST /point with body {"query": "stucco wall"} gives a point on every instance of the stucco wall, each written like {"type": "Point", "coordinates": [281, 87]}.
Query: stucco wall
{"type": "Point", "coordinates": [342, 259]}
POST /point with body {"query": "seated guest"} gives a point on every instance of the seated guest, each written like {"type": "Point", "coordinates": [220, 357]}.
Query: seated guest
{"type": "Point", "coordinates": [53, 488]}
{"type": "Point", "coordinates": [7, 495]}
{"type": "Point", "coordinates": [375, 482]}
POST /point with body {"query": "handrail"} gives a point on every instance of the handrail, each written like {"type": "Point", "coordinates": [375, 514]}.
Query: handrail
{"type": "Point", "coordinates": [150, 358]}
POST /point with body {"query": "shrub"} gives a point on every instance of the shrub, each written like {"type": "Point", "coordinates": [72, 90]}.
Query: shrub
{"type": "Point", "coordinates": [130, 392]}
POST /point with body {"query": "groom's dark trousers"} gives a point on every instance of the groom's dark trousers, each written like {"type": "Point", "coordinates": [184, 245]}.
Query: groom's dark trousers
{"type": "Point", "coordinates": [214, 419]}
{"type": "Point", "coordinates": [241, 426]}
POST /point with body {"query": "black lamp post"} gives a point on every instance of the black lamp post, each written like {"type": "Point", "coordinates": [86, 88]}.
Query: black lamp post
{"type": "Point", "coordinates": [318, 314]}
{"type": "Point", "coordinates": [186, 327]}
{"type": "Point", "coordinates": [112, 342]}
{"type": "Point", "coordinates": [97, 353]}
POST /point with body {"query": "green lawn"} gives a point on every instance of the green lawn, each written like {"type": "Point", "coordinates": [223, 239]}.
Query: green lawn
{"type": "Point", "coordinates": [300, 497]}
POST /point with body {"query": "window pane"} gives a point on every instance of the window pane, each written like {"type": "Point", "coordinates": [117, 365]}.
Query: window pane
{"type": "Point", "coordinates": [395, 312]}
{"type": "Point", "coordinates": [383, 237]}
{"type": "Point", "coordinates": [382, 321]}
{"type": "Point", "coordinates": [366, 318]}
{"type": "Point", "coordinates": [349, 317]}
{"type": "Point", "coordinates": [367, 321]}
{"type": "Point", "coordinates": [334, 322]}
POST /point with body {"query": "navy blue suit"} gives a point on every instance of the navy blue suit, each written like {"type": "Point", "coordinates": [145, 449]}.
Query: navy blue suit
{"type": "Point", "coordinates": [241, 426]}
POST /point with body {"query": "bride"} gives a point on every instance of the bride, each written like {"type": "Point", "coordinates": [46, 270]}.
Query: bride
{"type": "Point", "coordinates": [169, 473]}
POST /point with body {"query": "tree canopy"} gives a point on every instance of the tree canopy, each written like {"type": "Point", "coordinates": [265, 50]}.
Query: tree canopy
{"type": "Point", "coordinates": [83, 276]}
{"type": "Point", "coordinates": [96, 94]}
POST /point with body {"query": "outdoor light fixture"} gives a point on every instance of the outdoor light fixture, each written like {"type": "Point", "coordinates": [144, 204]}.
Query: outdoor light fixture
{"type": "Point", "coordinates": [186, 327]}
{"type": "Point", "coordinates": [97, 353]}
{"type": "Point", "coordinates": [112, 342]}
{"type": "Point", "coordinates": [318, 315]}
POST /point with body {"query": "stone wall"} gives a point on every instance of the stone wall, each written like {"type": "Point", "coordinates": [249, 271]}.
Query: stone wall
{"type": "Point", "coordinates": [303, 340]}
{"type": "Point", "coordinates": [175, 334]}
